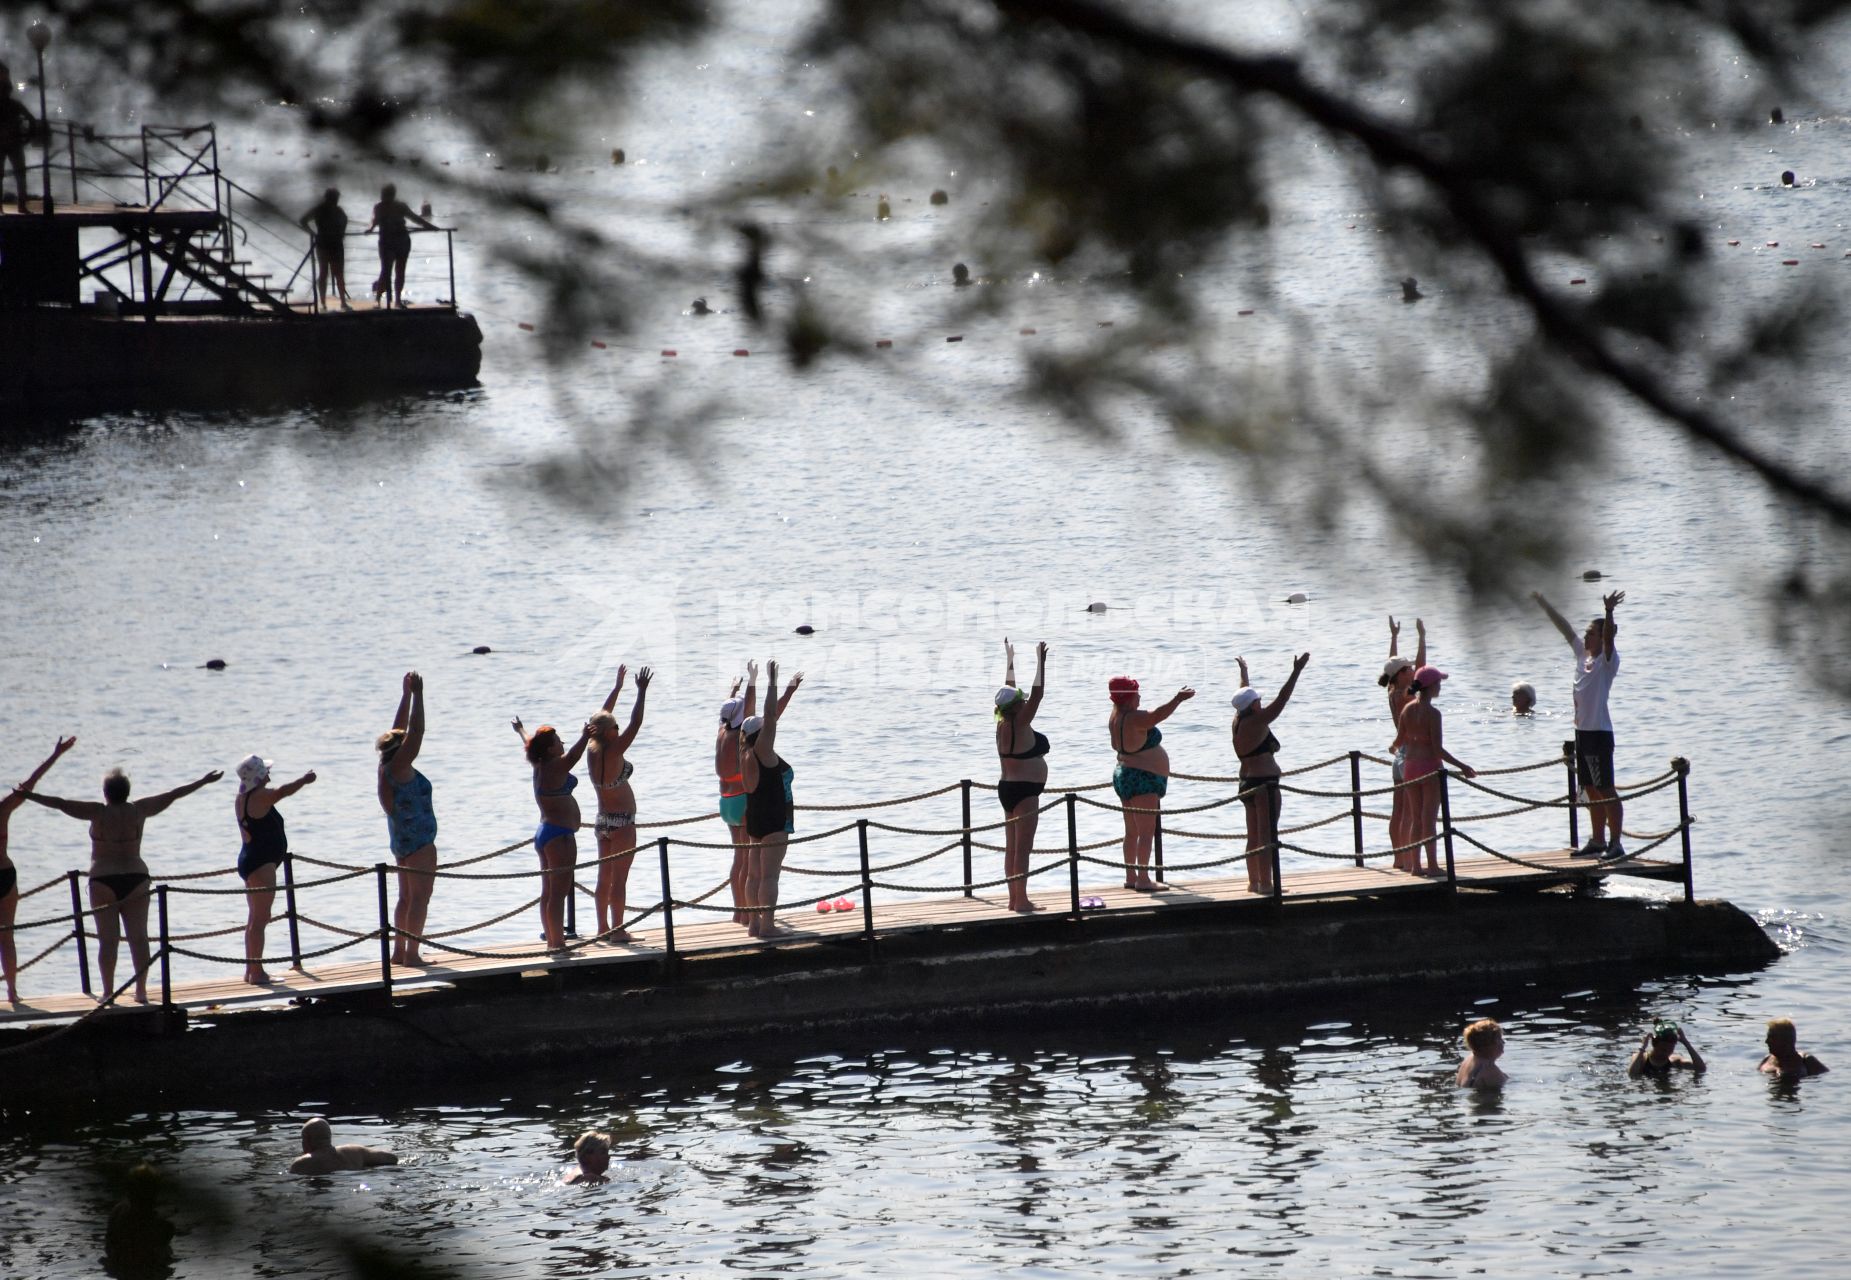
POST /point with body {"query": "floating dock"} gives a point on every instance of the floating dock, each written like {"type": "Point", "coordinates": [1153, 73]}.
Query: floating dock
{"type": "Point", "coordinates": [150, 278]}
{"type": "Point", "coordinates": [689, 976]}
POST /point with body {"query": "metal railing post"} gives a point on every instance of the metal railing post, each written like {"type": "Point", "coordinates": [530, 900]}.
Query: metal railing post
{"type": "Point", "coordinates": [867, 879]}
{"type": "Point", "coordinates": [668, 903]}
{"type": "Point", "coordinates": [1156, 842]}
{"type": "Point", "coordinates": [1446, 831]}
{"type": "Point", "coordinates": [1272, 834]}
{"type": "Point", "coordinates": [83, 943]}
{"type": "Point", "coordinates": [1073, 853]}
{"type": "Point", "coordinates": [289, 909]}
{"type": "Point", "coordinates": [968, 877]}
{"type": "Point", "coordinates": [160, 902]}
{"type": "Point", "coordinates": [449, 253]}
{"type": "Point", "coordinates": [70, 137]}
{"type": "Point", "coordinates": [1356, 801]}
{"type": "Point", "coordinates": [1574, 816]}
{"type": "Point", "coordinates": [1683, 821]}
{"type": "Point", "coordinates": [385, 929]}
{"type": "Point", "coordinates": [571, 927]}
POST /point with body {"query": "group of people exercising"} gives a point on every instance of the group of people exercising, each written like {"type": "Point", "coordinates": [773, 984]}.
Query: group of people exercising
{"type": "Point", "coordinates": [756, 804]}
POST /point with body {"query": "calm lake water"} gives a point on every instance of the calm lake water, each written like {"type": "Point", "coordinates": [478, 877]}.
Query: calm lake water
{"type": "Point", "coordinates": [687, 513]}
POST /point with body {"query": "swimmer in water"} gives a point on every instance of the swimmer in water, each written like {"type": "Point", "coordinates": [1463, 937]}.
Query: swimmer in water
{"type": "Point", "coordinates": [320, 1155]}
{"type": "Point", "coordinates": [1522, 698]}
{"type": "Point", "coordinates": [1784, 1058]}
{"type": "Point", "coordinates": [1480, 1070]}
{"type": "Point", "coordinates": [1654, 1056]}
{"type": "Point", "coordinates": [593, 1150]}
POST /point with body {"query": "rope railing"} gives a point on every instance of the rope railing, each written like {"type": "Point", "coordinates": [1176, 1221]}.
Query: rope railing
{"type": "Point", "coordinates": [867, 876]}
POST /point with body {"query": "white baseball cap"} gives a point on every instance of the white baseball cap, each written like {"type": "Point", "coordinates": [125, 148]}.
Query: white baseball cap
{"type": "Point", "coordinates": [732, 711]}
{"type": "Point", "coordinates": [1245, 698]}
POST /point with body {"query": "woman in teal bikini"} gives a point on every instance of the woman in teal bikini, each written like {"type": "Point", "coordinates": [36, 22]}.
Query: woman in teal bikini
{"type": "Point", "coordinates": [616, 821]}
{"type": "Point", "coordinates": [405, 795]}
{"type": "Point", "coordinates": [556, 838]}
{"type": "Point", "coordinates": [1143, 772]}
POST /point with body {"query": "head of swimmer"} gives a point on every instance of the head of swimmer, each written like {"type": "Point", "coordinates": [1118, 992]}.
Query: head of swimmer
{"type": "Point", "coordinates": [316, 1135]}
{"type": "Point", "coordinates": [1522, 698]}
{"type": "Point", "coordinates": [594, 1153]}
{"type": "Point", "coordinates": [116, 787]}
{"type": "Point", "coordinates": [1485, 1038]}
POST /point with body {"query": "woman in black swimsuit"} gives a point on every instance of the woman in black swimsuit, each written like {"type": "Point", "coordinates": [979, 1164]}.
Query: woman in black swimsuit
{"type": "Point", "coordinates": [1255, 744]}
{"type": "Point", "coordinates": [265, 846]}
{"type": "Point", "coordinates": [768, 811]}
{"type": "Point", "coordinates": [1023, 753]}
{"type": "Point", "coordinates": [118, 876]}
{"type": "Point", "coordinates": [9, 875]}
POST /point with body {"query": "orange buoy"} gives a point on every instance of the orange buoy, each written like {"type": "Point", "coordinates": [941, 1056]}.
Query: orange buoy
{"type": "Point", "coordinates": [1244, 313]}
{"type": "Point", "coordinates": [1026, 333]}
{"type": "Point", "coordinates": [597, 344]}
{"type": "Point", "coordinates": [1734, 243]}
{"type": "Point", "coordinates": [741, 351]}
{"type": "Point", "coordinates": [956, 337]}
{"type": "Point", "coordinates": [1773, 244]}
{"type": "Point", "coordinates": [524, 325]}
{"type": "Point", "coordinates": [1578, 280]}
{"type": "Point", "coordinates": [1817, 245]}
{"type": "Point", "coordinates": [1789, 262]}
{"type": "Point", "coordinates": [668, 351]}
{"type": "Point", "coordinates": [883, 343]}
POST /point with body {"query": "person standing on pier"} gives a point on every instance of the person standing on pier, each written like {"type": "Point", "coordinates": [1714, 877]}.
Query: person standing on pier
{"type": "Point", "coordinates": [1023, 753]}
{"type": "Point", "coordinates": [610, 771]}
{"type": "Point", "coordinates": [734, 712]}
{"type": "Point", "coordinates": [768, 809]}
{"type": "Point", "coordinates": [9, 874]}
{"type": "Point", "coordinates": [390, 217]}
{"type": "Point", "coordinates": [405, 795]}
{"type": "Point", "coordinates": [17, 127]}
{"type": "Point", "coordinates": [118, 877]}
{"type": "Point", "coordinates": [329, 223]}
{"type": "Point", "coordinates": [556, 838]}
{"type": "Point", "coordinates": [1597, 662]}
{"type": "Point", "coordinates": [1423, 734]}
{"type": "Point", "coordinates": [1142, 776]}
{"type": "Point", "coordinates": [1254, 746]}
{"type": "Point", "coordinates": [1398, 678]}
{"type": "Point", "coordinates": [266, 845]}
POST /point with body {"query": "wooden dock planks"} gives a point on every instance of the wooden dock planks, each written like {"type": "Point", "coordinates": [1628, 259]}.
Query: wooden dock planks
{"type": "Point", "coordinates": [705, 932]}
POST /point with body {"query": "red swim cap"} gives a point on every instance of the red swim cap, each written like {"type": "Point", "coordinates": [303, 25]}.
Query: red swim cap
{"type": "Point", "coordinates": [1123, 689]}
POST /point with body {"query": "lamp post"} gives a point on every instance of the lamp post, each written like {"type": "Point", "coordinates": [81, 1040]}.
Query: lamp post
{"type": "Point", "coordinates": [38, 35]}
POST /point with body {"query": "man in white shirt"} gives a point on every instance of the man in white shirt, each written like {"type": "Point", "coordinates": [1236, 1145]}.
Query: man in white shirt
{"type": "Point", "coordinates": [1597, 661]}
